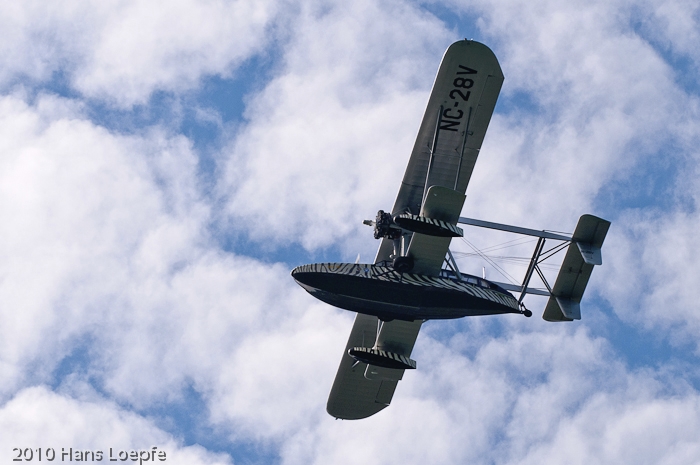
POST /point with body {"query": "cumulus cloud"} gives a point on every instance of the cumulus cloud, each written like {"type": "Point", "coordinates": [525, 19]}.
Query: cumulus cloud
{"type": "Point", "coordinates": [108, 260]}
{"type": "Point", "coordinates": [329, 136]}
{"type": "Point", "coordinates": [109, 242]}
{"type": "Point", "coordinates": [85, 216]}
{"type": "Point", "coordinates": [38, 418]}
{"type": "Point", "coordinates": [673, 26]}
{"type": "Point", "coordinates": [539, 397]}
{"type": "Point", "coordinates": [121, 52]}
{"type": "Point", "coordinates": [114, 291]}
{"type": "Point", "coordinates": [591, 123]}
{"type": "Point", "coordinates": [657, 254]}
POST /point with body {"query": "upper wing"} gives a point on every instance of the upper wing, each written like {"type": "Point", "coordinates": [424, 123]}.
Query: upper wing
{"type": "Point", "coordinates": [450, 136]}
{"type": "Point", "coordinates": [460, 107]}
{"type": "Point", "coordinates": [459, 110]}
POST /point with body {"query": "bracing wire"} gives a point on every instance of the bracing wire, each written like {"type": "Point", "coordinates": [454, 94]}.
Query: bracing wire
{"type": "Point", "coordinates": [491, 262]}
{"type": "Point", "coordinates": [508, 244]}
{"type": "Point", "coordinates": [524, 261]}
{"type": "Point", "coordinates": [501, 258]}
{"type": "Point", "coordinates": [490, 259]}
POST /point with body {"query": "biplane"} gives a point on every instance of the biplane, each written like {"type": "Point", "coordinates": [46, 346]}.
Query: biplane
{"type": "Point", "coordinates": [414, 276]}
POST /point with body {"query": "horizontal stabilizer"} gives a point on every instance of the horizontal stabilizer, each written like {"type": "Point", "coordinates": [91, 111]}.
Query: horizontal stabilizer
{"type": "Point", "coordinates": [576, 269]}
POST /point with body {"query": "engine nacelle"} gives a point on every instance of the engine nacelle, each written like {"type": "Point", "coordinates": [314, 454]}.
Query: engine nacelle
{"type": "Point", "coordinates": [384, 226]}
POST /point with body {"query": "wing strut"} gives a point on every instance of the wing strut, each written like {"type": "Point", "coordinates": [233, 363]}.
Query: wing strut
{"type": "Point", "coordinates": [453, 264]}
{"type": "Point", "coordinates": [531, 268]}
{"type": "Point", "coordinates": [538, 256]}
{"type": "Point", "coordinates": [464, 146]}
{"type": "Point", "coordinates": [432, 152]}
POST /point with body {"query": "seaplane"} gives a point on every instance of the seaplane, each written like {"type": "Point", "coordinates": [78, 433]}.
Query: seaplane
{"type": "Point", "coordinates": [414, 277]}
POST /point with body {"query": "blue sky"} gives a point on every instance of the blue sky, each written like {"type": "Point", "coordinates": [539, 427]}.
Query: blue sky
{"type": "Point", "coordinates": [164, 166]}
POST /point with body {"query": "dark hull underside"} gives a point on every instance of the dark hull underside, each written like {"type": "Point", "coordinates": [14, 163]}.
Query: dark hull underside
{"type": "Point", "coordinates": [382, 292]}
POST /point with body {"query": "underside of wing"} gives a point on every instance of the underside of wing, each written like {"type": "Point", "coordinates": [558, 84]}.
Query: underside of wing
{"type": "Point", "coordinates": [453, 128]}
{"type": "Point", "coordinates": [360, 389]}
{"type": "Point", "coordinates": [454, 125]}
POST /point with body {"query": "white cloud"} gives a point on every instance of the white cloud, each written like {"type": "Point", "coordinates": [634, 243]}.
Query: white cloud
{"type": "Point", "coordinates": [603, 105]}
{"type": "Point", "coordinates": [329, 136]}
{"type": "Point", "coordinates": [541, 397]}
{"type": "Point", "coordinates": [673, 25]}
{"type": "Point", "coordinates": [615, 429]}
{"type": "Point", "coordinates": [108, 246]}
{"type": "Point", "coordinates": [108, 255]}
{"type": "Point", "coordinates": [122, 52]}
{"type": "Point", "coordinates": [87, 217]}
{"type": "Point", "coordinates": [658, 256]}
{"type": "Point", "coordinates": [170, 45]}
{"type": "Point", "coordinates": [108, 241]}
{"type": "Point", "coordinates": [38, 418]}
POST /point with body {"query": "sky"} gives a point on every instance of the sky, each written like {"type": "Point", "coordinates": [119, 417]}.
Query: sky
{"type": "Point", "coordinates": [164, 165]}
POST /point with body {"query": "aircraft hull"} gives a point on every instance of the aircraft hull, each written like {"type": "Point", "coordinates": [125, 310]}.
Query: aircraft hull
{"type": "Point", "coordinates": [380, 291]}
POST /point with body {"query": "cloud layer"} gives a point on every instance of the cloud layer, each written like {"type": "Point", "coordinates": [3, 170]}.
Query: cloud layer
{"type": "Point", "coordinates": [122, 52]}
{"type": "Point", "coordinates": [119, 304]}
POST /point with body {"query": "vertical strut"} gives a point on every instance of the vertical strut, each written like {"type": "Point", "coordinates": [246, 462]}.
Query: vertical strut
{"type": "Point", "coordinates": [532, 267]}
{"type": "Point", "coordinates": [544, 280]}
{"type": "Point", "coordinates": [464, 144]}
{"type": "Point", "coordinates": [453, 264]}
{"type": "Point", "coordinates": [432, 153]}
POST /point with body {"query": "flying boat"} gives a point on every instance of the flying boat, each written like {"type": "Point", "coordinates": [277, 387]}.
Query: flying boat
{"type": "Point", "coordinates": [414, 277]}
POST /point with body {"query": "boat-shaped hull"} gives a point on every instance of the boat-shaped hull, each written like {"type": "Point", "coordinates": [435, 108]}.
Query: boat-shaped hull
{"type": "Point", "coordinates": [381, 291]}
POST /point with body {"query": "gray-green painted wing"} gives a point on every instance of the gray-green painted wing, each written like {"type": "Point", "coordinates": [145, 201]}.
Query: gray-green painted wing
{"type": "Point", "coordinates": [453, 128]}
